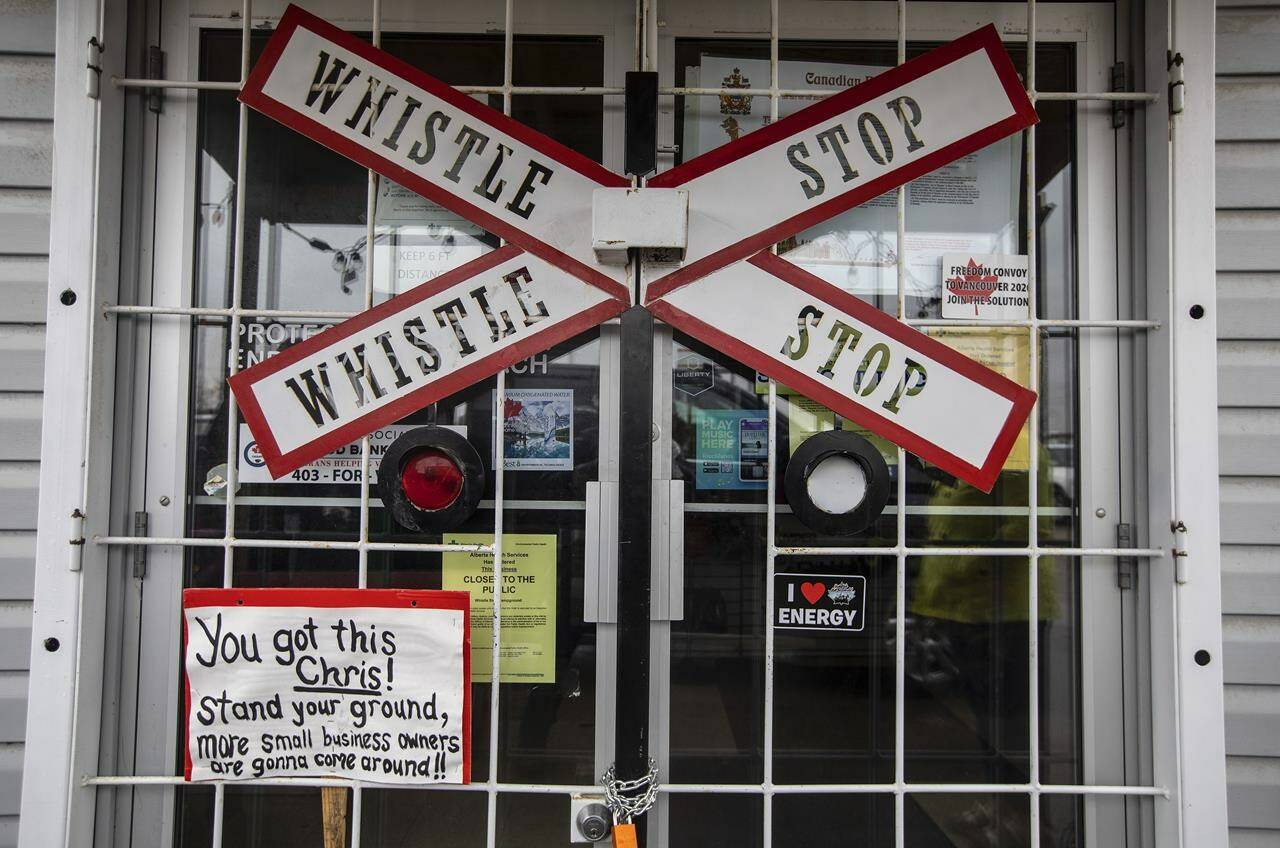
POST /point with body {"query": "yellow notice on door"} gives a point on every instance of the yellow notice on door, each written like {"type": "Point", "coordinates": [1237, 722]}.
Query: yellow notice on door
{"type": "Point", "coordinates": [528, 604]}
{"type": "Point", "coordinates": [1005, 351]}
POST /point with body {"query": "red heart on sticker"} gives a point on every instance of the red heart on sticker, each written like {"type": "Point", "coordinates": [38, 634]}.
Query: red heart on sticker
{"type": "Point", "coordinates": [813, 591]}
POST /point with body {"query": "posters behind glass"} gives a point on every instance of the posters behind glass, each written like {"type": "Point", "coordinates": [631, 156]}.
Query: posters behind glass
{"type": "Point", "coordinates": [537, 430]}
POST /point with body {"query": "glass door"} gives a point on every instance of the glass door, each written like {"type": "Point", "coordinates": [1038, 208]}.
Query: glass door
{"type": "Point", "coordinates": [970, 681]}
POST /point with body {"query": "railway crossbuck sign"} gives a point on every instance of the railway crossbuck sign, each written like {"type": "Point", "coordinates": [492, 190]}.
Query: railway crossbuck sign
{"type": "Point", "coordinates": [546, 284]}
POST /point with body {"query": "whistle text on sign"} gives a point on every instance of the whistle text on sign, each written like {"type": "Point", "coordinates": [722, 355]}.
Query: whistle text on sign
{"type": "Point", "coordinates": [844, 151]}
{"type": "Point", "coordinates": [398, 357]}
{"type": "Point", "coordinates": [446, 146]}
{"type": "Point", "coordinates": [859, 361]}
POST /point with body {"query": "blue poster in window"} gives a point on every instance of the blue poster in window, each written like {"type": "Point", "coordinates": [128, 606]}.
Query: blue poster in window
{"type": "Point", "coordinates": [732, 449]}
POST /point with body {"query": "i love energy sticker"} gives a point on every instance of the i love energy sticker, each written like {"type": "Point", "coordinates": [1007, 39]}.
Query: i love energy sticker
{"type": "Point", "coordinates": [819, 601]}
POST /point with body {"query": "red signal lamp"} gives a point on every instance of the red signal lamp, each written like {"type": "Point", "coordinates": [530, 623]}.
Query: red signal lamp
{"type": "Point", "coordinates": [431, 479]}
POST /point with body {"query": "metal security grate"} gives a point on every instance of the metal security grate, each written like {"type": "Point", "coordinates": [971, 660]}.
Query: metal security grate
{"type": "Point", "coordinates": [646, 49]}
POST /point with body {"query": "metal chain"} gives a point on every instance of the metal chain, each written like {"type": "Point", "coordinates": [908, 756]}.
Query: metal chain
{"type": "Point", "coordinates": [627, 799]}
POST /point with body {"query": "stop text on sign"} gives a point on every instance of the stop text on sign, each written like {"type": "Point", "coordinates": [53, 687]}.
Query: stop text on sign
{"type": "Point", "coordinates": [844, 151]}
{"type": "Point", "coordinates": [816, 338]}
{"type": "Point", "coordinates": [858, 361]}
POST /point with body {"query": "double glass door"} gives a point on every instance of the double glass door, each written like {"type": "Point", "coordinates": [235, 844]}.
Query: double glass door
{"type": "Point", "coordinates": [797, 737]}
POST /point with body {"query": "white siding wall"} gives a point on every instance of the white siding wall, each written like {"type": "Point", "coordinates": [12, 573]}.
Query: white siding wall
{"type": "Point", "coordinates": [26, 142]}
{"type": "Point", "coordinates": [1248, 177]}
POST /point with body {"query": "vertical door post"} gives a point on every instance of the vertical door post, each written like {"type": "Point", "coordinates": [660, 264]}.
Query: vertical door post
{"type": "Point", "coordinates": [635, 467]}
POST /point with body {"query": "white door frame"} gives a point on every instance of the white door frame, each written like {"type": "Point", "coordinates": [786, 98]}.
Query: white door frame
{"type": "Point", "coordinates": [1182, 384]}
{"type": "Point", "coordinates": [71, 601]}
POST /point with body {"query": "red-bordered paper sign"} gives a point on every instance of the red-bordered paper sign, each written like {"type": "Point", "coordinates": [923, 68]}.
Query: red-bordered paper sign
{"type": "Point", "coordinates": [367, 684]}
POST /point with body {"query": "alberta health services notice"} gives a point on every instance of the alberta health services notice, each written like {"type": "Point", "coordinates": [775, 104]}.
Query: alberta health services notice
{"type": "Point", "coordinates": [528, 604]}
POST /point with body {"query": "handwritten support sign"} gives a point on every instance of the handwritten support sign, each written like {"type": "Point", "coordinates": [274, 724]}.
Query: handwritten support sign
{"type": "Point", "coordinates": [366, 684]}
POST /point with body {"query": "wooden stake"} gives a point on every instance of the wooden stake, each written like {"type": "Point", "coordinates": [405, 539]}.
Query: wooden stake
{"type": "Point", "coordinates": [333, 807]}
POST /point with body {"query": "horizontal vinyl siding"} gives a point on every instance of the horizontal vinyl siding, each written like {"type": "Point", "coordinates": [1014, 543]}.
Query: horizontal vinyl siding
{"type": "Point", "coordinates": [26, 152]}
{"type": "Point", "coordinates": [1251, 584]}
{"type": "Point", "coordinates": [1247, 304]}
{"type": "Point", "coordinates": [1248, 259]}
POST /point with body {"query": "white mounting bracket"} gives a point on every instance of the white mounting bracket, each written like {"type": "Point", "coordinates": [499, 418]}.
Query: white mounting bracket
{"type": "Point", "coordinates": [656, 220]}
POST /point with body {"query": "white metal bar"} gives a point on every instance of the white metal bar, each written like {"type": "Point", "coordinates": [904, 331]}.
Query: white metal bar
{"type": "Point", "coordinates": [237, 289]}
{"type": "Point", "coordinates": [219, 807]}
{"type": "Point", "coordinates": [916, 550]}
{"type": "Point", "coordinates": [667, 788]}
{"type": "Point", "coordinates": [819, 93]}
{"type": "Point", "coordinates": [1132, 96]}
{"type": "Point", "coordinates": [370, 235]}
{"type": "Point", "coordinates": [362, 553]}
{"type": "Point", "coordinates": [1066, 323]}
{"type": "Point", "coordinates": [554, 506]}
{"type": "Point", "coordinates": [357, 814]}
{"type": "Point", "coordinates": [770, 561]}
{"type": "Point", "coordinates": [588, 90]}
{"type": "Point", "coordinates": [909, 789]}
{"type": "Point", "coordinates": [713, 507]}
{"type": "Point", "coordinates": [499, 476]}
{"type": "Point", "coordinates": [794, 550]}
{"type": "Point", "coordinates": [233, 358]}
{"type": "Point", "coordinates": [61, 726]}
{"type": "Point", "coordinates": [607, 90]}
{"type": "Point", "coordinates": [195, 85]}
{"type": "Point", "coordinates": [288, 544]}
{"type": "Point", "coordinates": [900, 523]}
{"type": "Point", "coordinates": [220, 312]}
{"type": "Point", "coordinates": [771, 527]}
{"type": "Point", "coordinates": [570, 506]}
{"type": "Point", "coordinates": [214, 85]}
{"type": "Point", "coordinates": [495, 667]}
{"type": "Point", "coordinates": [1033, 452]}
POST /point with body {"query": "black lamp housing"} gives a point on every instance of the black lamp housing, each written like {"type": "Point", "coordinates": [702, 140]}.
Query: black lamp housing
{"type": "Point", "coordinates": [460, 451]}
{"type": "Point", "coordinates": [809, 455]}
